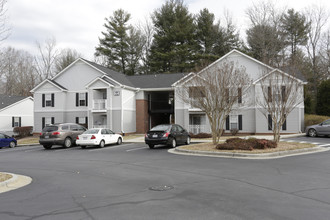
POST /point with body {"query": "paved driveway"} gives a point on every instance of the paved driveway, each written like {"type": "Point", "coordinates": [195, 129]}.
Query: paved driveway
{"type": "Point", "coordinates": [120, 183]}
{"type": "Point", "coordinates": [321, 141]}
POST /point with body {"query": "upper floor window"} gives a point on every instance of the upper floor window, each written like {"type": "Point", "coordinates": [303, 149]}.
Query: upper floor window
{"type": "Point", "coordinates": [48, 100]}
{"type": "Point", "coordinates": [82, 99]}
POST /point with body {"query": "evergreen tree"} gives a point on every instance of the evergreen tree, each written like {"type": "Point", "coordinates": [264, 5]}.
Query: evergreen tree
{"type": "Point", "coordinates": [265, 43]}
{"type": "Point", "coordinates": [113, 46]}
{"type": "Point", "coordinates": [206, 36]}
{"type": "Point", "coordinates": [295, 28]}
{"type": "Point", "coordinates": [323, 98]}
{"type": "Point", "coordinates": [173, 48]}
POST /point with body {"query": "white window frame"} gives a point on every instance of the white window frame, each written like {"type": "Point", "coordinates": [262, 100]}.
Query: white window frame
{"type": "Point", "coordinates": [82, 120]}
{"type": "Point", "coordinates": [16, 121]}
{"type": "Point", "coordinates": [48, 100]}
{"type": "Point", "coordinates": [82, 97]}
{"type": "Point", "coordinates": [48, 121]}
{"type": "Point", "coordinates": [233, 119]}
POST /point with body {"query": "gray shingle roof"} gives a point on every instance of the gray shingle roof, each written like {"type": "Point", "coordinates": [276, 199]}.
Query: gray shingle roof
{"type": "Point", "coordinates": [140, 81]}
{"type": "Point", "coordinates": [7, 100]}
{"type": "Point", "coordinates": [155, 80]}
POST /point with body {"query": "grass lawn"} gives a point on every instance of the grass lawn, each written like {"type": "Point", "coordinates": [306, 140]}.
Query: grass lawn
{"type": "Point", "coordinates": [282, 146]}
{"type": "Point", "coordinates": [28, 140]}
{"type": "Point", "coordinates": [4, 177]}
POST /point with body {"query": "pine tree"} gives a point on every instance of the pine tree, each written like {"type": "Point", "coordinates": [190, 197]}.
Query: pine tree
{"type": "Point", "coordinates": [113, 46]}
{"type": "Point", "coordinates": [174, 46]}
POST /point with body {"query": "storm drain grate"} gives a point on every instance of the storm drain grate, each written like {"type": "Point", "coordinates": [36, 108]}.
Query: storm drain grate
{"type": "Point", "coordinates": [161, 188]}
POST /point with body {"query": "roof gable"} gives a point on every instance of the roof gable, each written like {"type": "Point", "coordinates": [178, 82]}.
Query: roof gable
{"type": "Point", "coordinates": [51, 83]}
{"type": "Point", "coordinates": [8, 100]}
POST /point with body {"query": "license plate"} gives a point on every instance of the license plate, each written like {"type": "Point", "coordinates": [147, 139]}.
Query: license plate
{"type": "Point", "coordinates": [155, 135]}
{"type": "Point", "coordinates": [46, 136]}
{"type": "Point", "coordinates": [85, 138]}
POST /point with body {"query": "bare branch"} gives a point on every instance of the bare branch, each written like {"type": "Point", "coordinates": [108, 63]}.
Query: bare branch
{"type": "Point", "coordinates": [217, 90]}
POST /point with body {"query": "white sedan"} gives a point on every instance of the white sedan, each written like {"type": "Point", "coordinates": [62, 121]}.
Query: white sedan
{"type": "Point", "coordinates": [98, 136]}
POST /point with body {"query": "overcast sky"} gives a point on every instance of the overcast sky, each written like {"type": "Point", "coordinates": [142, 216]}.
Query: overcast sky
{"type": "Point", "coordinates": [77, 24]}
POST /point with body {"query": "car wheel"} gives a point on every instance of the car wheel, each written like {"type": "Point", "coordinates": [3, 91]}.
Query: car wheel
{"type": "Point", "coordinates": [83, 147]}
{"type": "Point", "coordinates": [151, 146]}
{"type": "Point", "coordinates": [47, 146]}
{"type": "Point", "coordinates": [12, 144]}
{"type": "Point", "coordinates": [119, 141]}
{"type": "Point", "coordinates": [67, 142]}
{"type": "Point", "coordinates": [102, 144]}
{"type": "Point", "coordinates": [312, 132]}
{"type": "Point", "coordinates": [173, 143]}
{"type": "Point", "coordinates": [188, 140]}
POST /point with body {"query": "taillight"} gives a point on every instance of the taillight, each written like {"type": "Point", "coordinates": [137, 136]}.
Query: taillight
{"type": "Point", "coordinates": [40, 134]}
{"type": "Point", "coordinates": [77, 137]}
{"type": "Point", "coordinates": [93, 137]}
{"type": "Point", "coordinates": [166, 134]}
{"type": "Point", "coordinates": [56, 133]}
{"type": "Point", "coordinates": [146, 135]}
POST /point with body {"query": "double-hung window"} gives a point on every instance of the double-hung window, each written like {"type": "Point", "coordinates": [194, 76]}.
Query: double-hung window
{"type": "Point", "coordinates": [16, 122]}
{"type": "Point", "coordinates": [82, 99]}
{"type": "Point", "coordinates": [48, 100]}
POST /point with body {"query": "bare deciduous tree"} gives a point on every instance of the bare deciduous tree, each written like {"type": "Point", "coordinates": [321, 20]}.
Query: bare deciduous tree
{"type": "Point", "coordinates": [317, 16]}
{"type": "Point", "coordinates": [147, 29]}
{"type": "Point", "coordinates": [18, 72]}
{"type": "Point", "coordinates": [4, 30]}
{"type": "Point", "coordinates": [217, 90]}
{"type": "Point", "coordinates": [45, 62]}
{"type": "Point", "coordinates": [65, 58]}
{"type": "Point", "coordinates": [277, 95]}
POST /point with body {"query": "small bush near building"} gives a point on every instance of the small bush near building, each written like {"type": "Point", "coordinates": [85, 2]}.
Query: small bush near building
{"type": "Point", "coordinates": [200, 135]}
{"type": "Point", "coordinates": [23, 131]}
{"type": "Point", "coordinates": [234, 131]}
{"type": "Point", "coordinates": [314, 119]}
{"type": "Point", "coordinates": [248, 144]}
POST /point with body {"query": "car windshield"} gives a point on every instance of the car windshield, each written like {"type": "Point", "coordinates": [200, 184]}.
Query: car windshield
{"type": "Point", "coordinates": [161, 128]}
{"type": "Point", "coordinates": [50, 128]}
{"type": "Point", "coordinates": [92, 131]}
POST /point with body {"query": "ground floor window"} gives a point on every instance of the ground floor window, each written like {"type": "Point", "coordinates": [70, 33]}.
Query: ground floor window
{"type": "Point", "coordinates": [47, 121]}
{"type": "Point", "coordinates": [16, 122]}
{"type": "Point", "coordinates": [234, 122]}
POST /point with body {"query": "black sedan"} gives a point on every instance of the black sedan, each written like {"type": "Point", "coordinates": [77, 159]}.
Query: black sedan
{"type": "Point", "coordinates": [167, 134]}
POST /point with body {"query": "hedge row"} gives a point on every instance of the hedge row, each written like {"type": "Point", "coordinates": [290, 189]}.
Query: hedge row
{"type": "Point", "coordinates": [23, 131]}
{"type": "Point", "coordinates": [246, 144]}
{"type": "Point", "coordinates": [314, 119]}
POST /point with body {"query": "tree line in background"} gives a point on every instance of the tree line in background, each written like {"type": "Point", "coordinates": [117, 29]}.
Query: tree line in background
{"type": "Point", "coordinates": [175, 40]}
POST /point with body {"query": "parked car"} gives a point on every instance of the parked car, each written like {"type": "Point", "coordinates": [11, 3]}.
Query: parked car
{"type": "Point", "coordinates": [99, 137]}
{"type": "Point", "coordinates": [6, 141]}
{"type": "Point", "coordinates": [319, 129]}
{"type": "Point", "coordinates": [60, 134]}
{"type": "Point", "coordinates": [167, 134]}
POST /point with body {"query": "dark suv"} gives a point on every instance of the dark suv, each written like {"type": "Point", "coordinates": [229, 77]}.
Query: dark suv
{"type": "Point", "coordinates": [60, 134]}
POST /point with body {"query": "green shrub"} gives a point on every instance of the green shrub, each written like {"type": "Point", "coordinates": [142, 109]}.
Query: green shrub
{"type": "Point", "coordinates": [23, 131]}
{"type": "Point", "coordinates": [323, 98]}
{"type": "Point", "coordinates": [314, 119]}
{"type": "Point", "coordinates": [249, 144]}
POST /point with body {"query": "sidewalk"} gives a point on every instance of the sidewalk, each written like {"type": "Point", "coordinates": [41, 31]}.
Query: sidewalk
{"type": "Point", "coordinates": [206, 140]}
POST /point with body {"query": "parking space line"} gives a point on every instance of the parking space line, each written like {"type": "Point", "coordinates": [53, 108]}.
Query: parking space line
{"type": "Point", "coordinates": [134, 149]}
{"type": "Point", "coordinates": [324, 145]}
{"type": "Point", "coordinates": [123, 145]}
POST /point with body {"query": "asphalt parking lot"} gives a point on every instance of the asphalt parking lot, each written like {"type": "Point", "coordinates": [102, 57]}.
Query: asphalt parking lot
{"type": "Point", "coordinates": [131, 181]}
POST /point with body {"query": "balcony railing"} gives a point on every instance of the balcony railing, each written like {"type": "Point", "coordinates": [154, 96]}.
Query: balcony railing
{"type": "Point", "coordinates": [196, 129]}
{"type": "Point", "coordinates": [100, 104]}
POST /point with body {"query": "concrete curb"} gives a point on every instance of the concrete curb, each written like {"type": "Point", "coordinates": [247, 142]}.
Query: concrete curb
{"type": "Point", "coordinates": [274, 155]}
{"type": "Point", "coordinates": [16, 182]}
{"type": "Point", "coordinates": [9, 181]}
